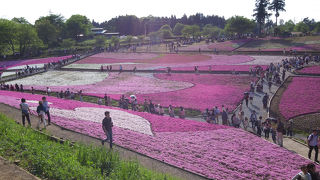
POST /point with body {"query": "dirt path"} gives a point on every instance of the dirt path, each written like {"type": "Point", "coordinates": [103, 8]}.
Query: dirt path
{"type": "Point", "coordinates": [124, 154]}
{"type": "Point", "coordinates": [10, 171]}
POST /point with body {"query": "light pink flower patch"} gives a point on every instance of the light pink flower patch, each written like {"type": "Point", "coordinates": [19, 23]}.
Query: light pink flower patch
{"type": "Point", "coordinates": [125, 55]}
{"type": "Point", "coordinates": [168, 60]}
{"type": "Point", "coordinates": [243, 68]}
{"type": "Point", "coordinates": [209, 91]}
{"type": "Point", "coordinates": [124, 83]}
{"type": "Point", "coordinates": [300, 97]}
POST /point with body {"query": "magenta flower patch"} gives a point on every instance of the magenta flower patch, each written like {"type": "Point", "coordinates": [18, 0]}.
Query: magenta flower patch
{"type": "Point", "coordinates": [310, 70]}
{"type": "Point", "coordinates": [300, 97]}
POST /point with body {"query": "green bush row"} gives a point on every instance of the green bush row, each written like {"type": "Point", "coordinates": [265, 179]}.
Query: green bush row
{"type": "Point", "coordinates": [52, 160]}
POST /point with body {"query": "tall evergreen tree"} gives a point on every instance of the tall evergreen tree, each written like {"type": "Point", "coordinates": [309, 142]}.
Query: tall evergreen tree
{"type": "Point", "coordinates": [261, 12]}
{"type": "Point", "coordinates": [277, 5]}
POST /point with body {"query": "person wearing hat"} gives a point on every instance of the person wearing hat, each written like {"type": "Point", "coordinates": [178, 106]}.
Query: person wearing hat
{"type": "Point", "coordinates": [313, 144]}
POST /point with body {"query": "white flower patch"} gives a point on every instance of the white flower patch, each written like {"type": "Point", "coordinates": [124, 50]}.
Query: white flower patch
{"type": "Point", "coordinates": [62, 78]}
{"type": "Point", "coordinates": [4, 74]}
{"type": "Point", "coordinates": [146, 75]}
{"type": "Point", "coordinates": [97, 66]}
{"type": "Point", "coordinates": [25, 66]}
{"type": "Point", "coordinates": [120, 118]}
{"type": "Point", "coordinates": [265, 60]}
{"type": "Point", "coordinates": [34, 102]}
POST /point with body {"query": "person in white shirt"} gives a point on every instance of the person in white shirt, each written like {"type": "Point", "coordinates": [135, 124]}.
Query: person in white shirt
{"type": "Point", "coordinates": [303, 175]}
{"type": "Point", "coordinates": [313, 144]}
{"type": "Point", "coordinates": [25, 111]}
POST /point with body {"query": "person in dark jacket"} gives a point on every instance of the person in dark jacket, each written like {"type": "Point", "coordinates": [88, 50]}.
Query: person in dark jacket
{"type": "Point", "coordinates": [225, 118]}
{"type": "Point", "coordinates": [107, 125]}
{"type": "Point", "coordinates": [41, 114]}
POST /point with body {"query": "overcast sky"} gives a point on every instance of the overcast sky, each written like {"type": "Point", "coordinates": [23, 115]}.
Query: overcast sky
{"type": "Point", "coordinates": [102, 10]}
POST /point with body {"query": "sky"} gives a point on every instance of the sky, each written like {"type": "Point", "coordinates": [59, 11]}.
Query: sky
{"type": "Point", "coordinates": [102, 10]}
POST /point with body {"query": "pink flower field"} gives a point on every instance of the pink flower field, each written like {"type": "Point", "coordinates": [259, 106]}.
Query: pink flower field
{"type": "Point", "coordinates": [126, 55]}
{"type": "Point", "coordinates": [213, 151]}
{"type": "Point", "coordinates": [9, 64]}
{"type": "Point", "coordinates": [300, 97]}
{"type": "Point", "coordinates": [208, 91]}
{"type": "Point", "coordinates": [243, 68]}
{"type": "Point", "coordinates": [310, 70]}
{"type": "Point", "coordinates": [163, 61]}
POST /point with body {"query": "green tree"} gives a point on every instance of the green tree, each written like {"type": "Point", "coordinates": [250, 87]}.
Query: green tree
{"type": "Point", "coordinates": [77, 25]}
{"type": "Point", "coordinates": [301, 27]}
{"type": "Point", "coordinates": [8, 35]}
{"type": "Point", "coordinates": [114, 41]}
{"type": "Point", "coordinates": [165, 27]}
{"type": "Point", "coordinates": [239, 25]}
{"type": "Point", "coordinates": [47, 32]}
{"type": "Point", "coordinates": [261, 13]}
{"type": "Point", "coordinates": [211, 31]}
{"type": "Point", "coordinates": [67, 43]}
{"type": "Point", "coordinates": [50, 29]}
{"type": "Point", "coordinates": [155, 36]}
{"type": "Point", "coordinates": [317, 28]}
{"type": "Point", "coordinates": [100, 41]}
{"type": "Point", "coordinates": [165, 34]}
{"type": "Point", "coordinates": [27, 39]}
{"type": "Point", "coordinates": [177, 30]}
{"type": "Point", "coordinates": [20, 20]}
{"type": "Point", "coordinates": [277, 5]}
{"type": "Point", "coordinates": [191, 31]}
{"type": "Point", "coordinates": [129, 39]}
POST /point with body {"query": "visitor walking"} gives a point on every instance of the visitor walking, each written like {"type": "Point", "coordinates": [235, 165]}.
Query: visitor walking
{"type": "Point", "coordinates": [216, 114]}
{"type": "Point", "coordinates": [280, 132]}
{"type": "Point", "coordinates": [48, 91]}
{"type": "Point", "coordinates": [266, 129]}
{"type": "Point", "coordinates": [313, 144]}
{"type": "Point", "coordinates": [41, 114]}
{"type": "Point", "coordinates": [182, 113]}
{"type": "Point", "coordinates": [46, 109]}
{"type": "Point", "coordinates": [107, 125]}
{"type": "Point", "coordinates": [224, 116]}
{"type": "Point", "coordinates": [246, 98]}
{"type": "Point", "coordinates": [270, 85]}
{"type": "Point", "coordinates": [171, 111]}
{"type": "Point", "coordinates": [259, 128]}
{"type": "Point", "coordinates": [290, 128]}
{"type": "Point", "coordinates": [25, 111]}
{"type": "Point", "coordinates": [253, 119]}
{"type": "Point", "coordinates": [251, 96]}
{"type": "Point", "coordinates": [274, 130]}
{"type": "Point", "coordinates": [146, 106]}
{"type": "Point", "coordinates": [105, 100]}
{"type": "Point", "coordinates": [99, 101]}
{"type": "Point", "coordinates": [265, 100]}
